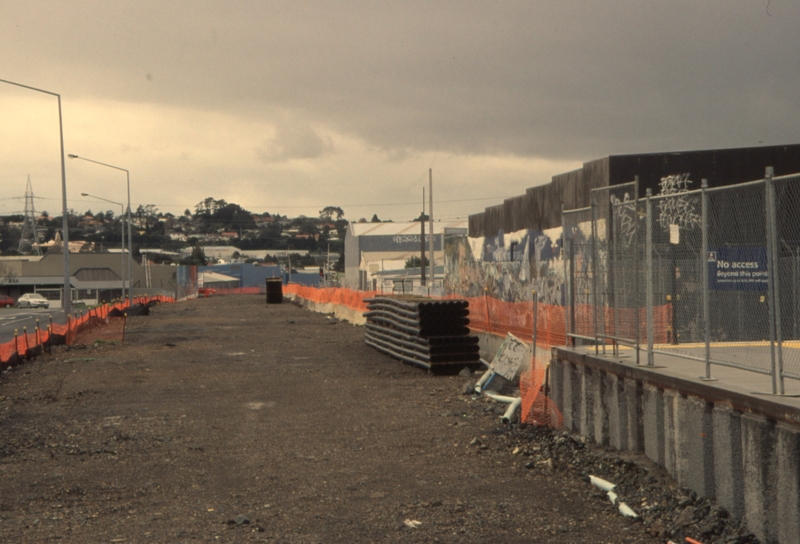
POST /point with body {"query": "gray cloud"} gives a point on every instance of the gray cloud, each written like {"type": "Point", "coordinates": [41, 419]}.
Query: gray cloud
{"type": "Point", "coordinates": [295, 141]}
{"type": "Point", "coordinates": [565, 80]}
{"type": "Point", "coordinates": [530, 78]}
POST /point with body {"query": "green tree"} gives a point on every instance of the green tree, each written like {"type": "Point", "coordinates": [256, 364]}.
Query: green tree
{"type": "Point", "coordinates": [328, 212]}
{"type": "Point", "coordinates": [218, 214]}
{"type": "Point", "coordinates": [233, 217]}
{"type": "Point", "coordinates": [413, 262]}
{"type": "Point", "coordinates": [197, 258]}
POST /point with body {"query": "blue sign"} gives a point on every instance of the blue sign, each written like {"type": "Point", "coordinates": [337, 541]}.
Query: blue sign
{"type": "Point", "coordinates": [737, 269]}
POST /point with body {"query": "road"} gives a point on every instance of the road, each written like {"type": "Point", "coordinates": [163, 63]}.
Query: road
{"type": "Point", "coordinates": [16, 318]}
{"type": "Point", "coordinates": [224, 419]}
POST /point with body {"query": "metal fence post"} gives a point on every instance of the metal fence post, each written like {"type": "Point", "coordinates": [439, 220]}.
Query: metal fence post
{"type": "Point", "coordinates": [637, 321]}
{"type": "Point", "coordinates": [795, 284]}
{"type": "Point", "coordinates": [535, 312]}
{"type": "Point", "coordinates": [704, 271]}
{"type": "Point", "coordinates": [567, 279]}
{"type": "Point", "coordinates": [770, 226]}
{"type": "Point", "coordinates": [594, 275]}
{"type": "Point", "coordinates": [649, 260]}
{"type": "Point", "coordinates": [612, 259]}
{"type": "Point", "coordinates": [488, 314]}
{"type": "Point", "coordinates": [776, 280]}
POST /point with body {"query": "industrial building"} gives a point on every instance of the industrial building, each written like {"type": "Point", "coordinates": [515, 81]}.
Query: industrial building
{"type": "Point", "coordinates": [94, 277]}
{"type": "Point", "coordinates": [373, 248]}
{"type": "Point", "coordinates": [540, 207]}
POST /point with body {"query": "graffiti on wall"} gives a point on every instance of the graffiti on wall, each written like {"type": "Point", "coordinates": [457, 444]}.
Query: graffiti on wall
{"type": "Point", "coordinates": [477, 266]}
{"type": "Point", "coordinates": [679, 209]}
{"type": "Point", "coordinates": [625, 217]}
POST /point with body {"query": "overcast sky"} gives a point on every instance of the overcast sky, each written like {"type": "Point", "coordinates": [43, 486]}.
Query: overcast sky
{"type": "Point", "coordinates": [288, 107]}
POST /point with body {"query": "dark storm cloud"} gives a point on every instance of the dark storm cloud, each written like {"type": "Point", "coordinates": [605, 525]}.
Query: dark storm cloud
{"type": "Point", "coordinates": [551, 79]}
{"type": "Point", "coordinates": [505, 94]}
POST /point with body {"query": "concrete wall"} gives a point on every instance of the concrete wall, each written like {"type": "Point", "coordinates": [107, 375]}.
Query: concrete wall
{"type": "Point", "coordinates": [339, 311]}
{"type": "Point", "coordinates": [740, 450]}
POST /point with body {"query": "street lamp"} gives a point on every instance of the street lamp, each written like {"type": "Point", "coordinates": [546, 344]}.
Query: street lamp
{"type": "Point", "coordinates": [130, 237]}
{"type": "Point", "coordinates": [122, 222]}
{"type": "Point", "coordinates": [67, 304]}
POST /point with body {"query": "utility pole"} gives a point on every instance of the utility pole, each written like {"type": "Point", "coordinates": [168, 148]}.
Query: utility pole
{"type": "Point", "coordinates": [430, 214]}
{"type": "Point", "coordinates": [327, 266]}
{"type": "Point", "coordinates": [422, 241]}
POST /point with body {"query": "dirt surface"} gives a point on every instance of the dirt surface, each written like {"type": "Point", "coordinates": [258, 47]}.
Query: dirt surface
{"type": "Point", "coordinates": [228, 420]}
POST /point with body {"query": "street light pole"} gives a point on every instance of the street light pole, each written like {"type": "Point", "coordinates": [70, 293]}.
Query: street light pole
{"type": "Point", "coordinates": [122, 222]}
{"type": "Point", "coordinates": [130, 236]}
{"type": "Point", "coordinates": [67, 304]}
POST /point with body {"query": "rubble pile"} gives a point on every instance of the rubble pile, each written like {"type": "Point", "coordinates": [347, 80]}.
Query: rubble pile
{"type": "Point", "coordinates": [665, 509]}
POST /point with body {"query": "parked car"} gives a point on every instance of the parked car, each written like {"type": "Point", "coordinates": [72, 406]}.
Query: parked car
{"type": "Point", "coordinates": [32, 300]}
{"type": "Point", "coordinates": [6, 301]}
{"type": "Point", "coordinates": [206, 292]}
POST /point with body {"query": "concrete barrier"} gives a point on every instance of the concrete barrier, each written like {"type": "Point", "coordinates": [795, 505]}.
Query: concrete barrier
{"type": "Point", "coordinates": [727, 438]}
{"type": "Point", "coordinates": [741, 450]}
{"type": "Point", "coordinates": [339, 311]}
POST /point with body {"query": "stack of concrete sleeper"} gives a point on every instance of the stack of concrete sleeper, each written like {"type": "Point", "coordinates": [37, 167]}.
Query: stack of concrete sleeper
{"type": "Point", "coordinates": [431, 334]}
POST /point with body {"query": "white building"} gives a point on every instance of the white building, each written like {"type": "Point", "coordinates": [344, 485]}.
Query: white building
{"type": "Point", "coordinates": [370, 248]}
{"type": "Point", "coordinates": [226, 253]}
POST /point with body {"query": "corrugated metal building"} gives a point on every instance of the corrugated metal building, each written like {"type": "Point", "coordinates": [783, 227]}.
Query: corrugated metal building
{"type": "Point", "coordinates": [540, 207]}
{"type": "Point", "coordinates": [372, 247]}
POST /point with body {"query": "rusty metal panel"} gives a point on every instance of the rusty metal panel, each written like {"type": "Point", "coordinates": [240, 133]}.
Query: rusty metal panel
{"type": "Point", "coordinates": [514, 213]}
{"type": "Point", "coordinates": [540, 207]}
{"type": "Point", "coordinates": [721, 167]}
{"type": "Point", "coordinates": [476, 225]}
{"type": "Point", "coordinates": [493, 220]}
{"type": "Point", "coordinates": [595, 175]}
{"type": "Point", "coordinates": [537, 198]}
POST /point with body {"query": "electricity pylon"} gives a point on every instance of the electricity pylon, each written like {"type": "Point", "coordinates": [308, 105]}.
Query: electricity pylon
{"type": "Point", "coordinates": [29, 241]}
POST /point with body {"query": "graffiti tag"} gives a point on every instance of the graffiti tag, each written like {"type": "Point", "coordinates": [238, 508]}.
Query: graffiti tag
{"type": "Point", "coordinates": [678, 209]}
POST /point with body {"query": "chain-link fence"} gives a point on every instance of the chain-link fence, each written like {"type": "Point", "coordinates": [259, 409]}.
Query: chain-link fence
{"type": "Point", "coordinates": [578, 260]}
{"type": "Point", "coordinates": [708, 274]}
{"type": "Point", "coordinates": [785, 196]}
{"type": "Point", "coordinates": [603, 258]}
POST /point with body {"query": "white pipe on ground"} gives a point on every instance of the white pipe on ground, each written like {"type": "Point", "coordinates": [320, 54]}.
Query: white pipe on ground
{"type": "Point", "coordinates": [482, 381]}
{"type": "Point", "coordinates": [511, 409]}
{"type": "Point", "coordinates": [513, 402]}
{"type": "Point", "coordinates": [605, 485]}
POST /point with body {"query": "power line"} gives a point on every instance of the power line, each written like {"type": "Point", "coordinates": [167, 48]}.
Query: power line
{"type": "Point", "coordinates": [277, 208]}
{"type": "Point", "coordinates": [274, 205]}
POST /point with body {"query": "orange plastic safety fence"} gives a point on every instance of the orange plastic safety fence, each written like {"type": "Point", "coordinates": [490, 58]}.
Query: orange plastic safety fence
{"type": "Point", "coordinates": [7, 351]}
{"type": "Point", "coordinates": [537, 407]}
{"type": "Point", "coordinates": [499, 317]}
{"type": "Point", "coordinates": [237, 291]}
{"type": "Point", "coordinates": [26, 341]}
{"type": "Point", "coordinates": [622, 322]}
{"type": "Point", "coordinates": [333, 295]}
{"type": "Point", "coordinates": [487, 314]}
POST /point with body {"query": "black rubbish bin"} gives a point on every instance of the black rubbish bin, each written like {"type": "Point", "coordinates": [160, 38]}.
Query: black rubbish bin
{"type": "Point", "coordinates": [274, 290]}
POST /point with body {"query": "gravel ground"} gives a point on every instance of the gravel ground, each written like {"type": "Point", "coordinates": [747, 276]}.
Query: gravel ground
{"type": "Point", "coordinates": [228, 420]}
